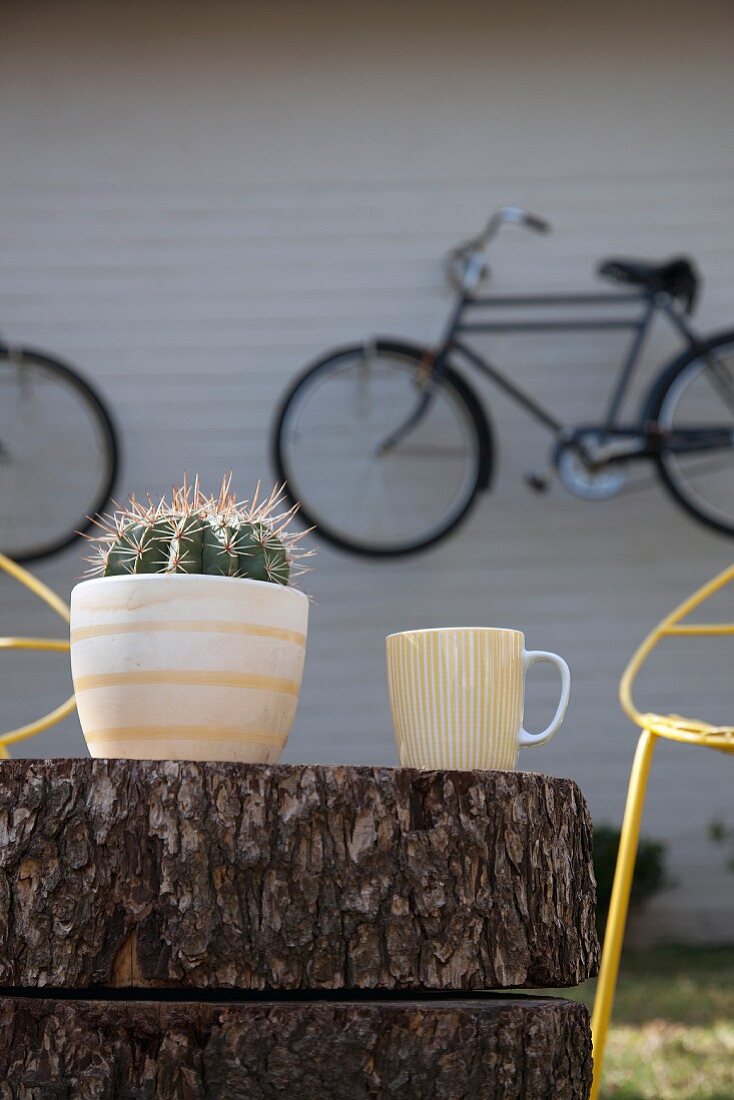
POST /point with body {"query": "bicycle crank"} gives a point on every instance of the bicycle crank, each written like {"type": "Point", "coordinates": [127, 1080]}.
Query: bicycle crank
{"type": "Point", "coordinates": [585, 471]}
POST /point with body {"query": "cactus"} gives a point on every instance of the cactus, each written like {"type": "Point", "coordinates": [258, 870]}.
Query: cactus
{"type": "Point", "coordinates": [185, 547]}
{"type": "Point", "coordinates": [195, 533]}
{"type": "Point", "coordinates": [261, 555]}
{"type": "Point", "coordinates": [139, 546]}
{"type": "Point", "coordinates": [218, 553]}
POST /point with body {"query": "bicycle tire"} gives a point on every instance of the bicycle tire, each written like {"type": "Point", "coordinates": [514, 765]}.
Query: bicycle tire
{"type": "Point", "coordinates": [69, 377]}
{"type": "Point", "coordinates": [654, 411]}
{"type": "Point", "coordinates": [462, 393]}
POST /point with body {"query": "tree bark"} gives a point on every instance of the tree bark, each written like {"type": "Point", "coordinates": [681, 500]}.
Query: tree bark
{"type": "Point", "coordinates": [513, 1049]}
{"type": "Point", "coordinates": [145, 873]}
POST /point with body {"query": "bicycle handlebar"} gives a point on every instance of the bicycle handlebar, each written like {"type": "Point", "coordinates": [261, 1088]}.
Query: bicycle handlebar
{"type": "Point", "coordinates": [469, 253]}
{"type": "Point", "coordinates": [513, 215]}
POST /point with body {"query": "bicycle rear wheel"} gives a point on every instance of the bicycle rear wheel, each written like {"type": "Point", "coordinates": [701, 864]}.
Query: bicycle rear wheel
{"type": "Point", "coordinates": [367, 496]}
{"type": "Point", "coordinates": [58, 454]}
{"type": "Point", "coordinates": [696, 393]}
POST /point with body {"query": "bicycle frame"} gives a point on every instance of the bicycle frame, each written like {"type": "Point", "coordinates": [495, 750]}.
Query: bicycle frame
{"type": "Point", "coordinates": [632, 442]}
{"type": "Point", "coordinates": [639, 326]}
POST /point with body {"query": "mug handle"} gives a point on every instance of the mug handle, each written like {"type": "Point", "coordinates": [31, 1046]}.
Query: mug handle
{"type": "Point", "coordinates": [530, 658]}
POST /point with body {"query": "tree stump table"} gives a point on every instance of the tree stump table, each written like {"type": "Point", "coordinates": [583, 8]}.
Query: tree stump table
{"type": "Point", "coordinates": [217, 930]}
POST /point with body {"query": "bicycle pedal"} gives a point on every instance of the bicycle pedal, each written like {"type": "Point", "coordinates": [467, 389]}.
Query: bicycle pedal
{"type": "Point", "coordinates": [537, 481]}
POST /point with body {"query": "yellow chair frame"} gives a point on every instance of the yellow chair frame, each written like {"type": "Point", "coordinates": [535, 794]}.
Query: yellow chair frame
{"type": "Point", "coordinates": [44, 593]}
{"type": "Point", "coordinates": [653, 726]}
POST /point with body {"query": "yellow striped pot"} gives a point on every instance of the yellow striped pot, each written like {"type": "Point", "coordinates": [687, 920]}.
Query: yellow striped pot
{"type": "Point", "coordinates": [187, 667]}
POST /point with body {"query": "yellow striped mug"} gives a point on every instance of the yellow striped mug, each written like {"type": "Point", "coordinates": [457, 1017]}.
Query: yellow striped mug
{"type": "Point", "coordinates": [457, 696]}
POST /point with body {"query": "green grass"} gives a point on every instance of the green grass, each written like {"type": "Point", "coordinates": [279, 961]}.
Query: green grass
{"type": "Point", "coordinates": [672, 1034]}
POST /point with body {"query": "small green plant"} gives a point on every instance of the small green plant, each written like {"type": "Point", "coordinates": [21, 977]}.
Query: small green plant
{"type": "Point", "coordinates": [650, 875]}
{"type": "Point", "coordinates": [723, 834]}
{"type": "Point", "coordinates": [215, 535]}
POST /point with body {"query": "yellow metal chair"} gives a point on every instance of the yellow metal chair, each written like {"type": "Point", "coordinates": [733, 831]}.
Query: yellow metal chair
{"type": "Point", "coordinates": [653, 726]}
{"type": "Point", "coordinates": [61, 609]}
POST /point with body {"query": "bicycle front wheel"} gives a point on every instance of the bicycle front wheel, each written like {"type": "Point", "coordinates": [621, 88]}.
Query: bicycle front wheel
{"type": "Point", "coordinates": [695, 396]}
{"type": "Point", "coordinates": [383, 458]}
{"type": "Point", "coordinates": [58, 454]}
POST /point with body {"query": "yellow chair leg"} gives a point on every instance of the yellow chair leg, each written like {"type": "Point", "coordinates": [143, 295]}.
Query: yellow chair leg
{"type": "Point", "coordinates": [57, 604]}
{"type": "Point", "coordinates": [619, 903]}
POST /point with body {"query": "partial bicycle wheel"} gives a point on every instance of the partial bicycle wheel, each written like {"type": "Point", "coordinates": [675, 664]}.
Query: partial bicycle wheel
{"type": "Point", "coordinates": [694, 400]}
{"type": "Point", "coordinates": [58, 454]}
{"type": "Point", "coordinates": [384, 459]}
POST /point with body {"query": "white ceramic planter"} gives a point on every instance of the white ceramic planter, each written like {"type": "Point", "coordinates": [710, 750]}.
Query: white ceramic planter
{"type": "Point", "coordinates": [187, 667]}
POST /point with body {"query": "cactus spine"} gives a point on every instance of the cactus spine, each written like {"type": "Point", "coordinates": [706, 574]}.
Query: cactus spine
{"type": "Point", "coordinates": [195, 533]}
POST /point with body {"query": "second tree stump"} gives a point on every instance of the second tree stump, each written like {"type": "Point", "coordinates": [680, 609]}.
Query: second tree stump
{"type": "Point", "coordinates": [474, 1049]}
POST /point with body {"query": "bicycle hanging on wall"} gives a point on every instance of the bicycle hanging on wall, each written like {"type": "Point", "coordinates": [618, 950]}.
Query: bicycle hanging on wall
{"type": "Point", "coordinates": [387, 446]}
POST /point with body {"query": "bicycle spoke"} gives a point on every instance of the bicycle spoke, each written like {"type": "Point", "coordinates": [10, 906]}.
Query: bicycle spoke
{"type": "Point", "coordinates": [428, 452]}
{"type": "Point", "coordinates": [722, 381]}
{"type": "Point", "coordinates": [700, 466]}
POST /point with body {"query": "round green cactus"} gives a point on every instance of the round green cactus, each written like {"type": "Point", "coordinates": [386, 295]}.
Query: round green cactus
{"type": "Point", "coordinates": [213, 535]}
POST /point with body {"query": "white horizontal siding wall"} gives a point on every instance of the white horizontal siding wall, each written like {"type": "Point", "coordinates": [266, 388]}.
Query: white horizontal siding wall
{"type": "Point", "coordinates": [196, 199]}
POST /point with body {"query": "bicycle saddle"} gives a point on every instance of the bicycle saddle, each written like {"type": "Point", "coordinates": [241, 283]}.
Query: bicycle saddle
{"type": "Point", "coordinates": [676, 277]}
